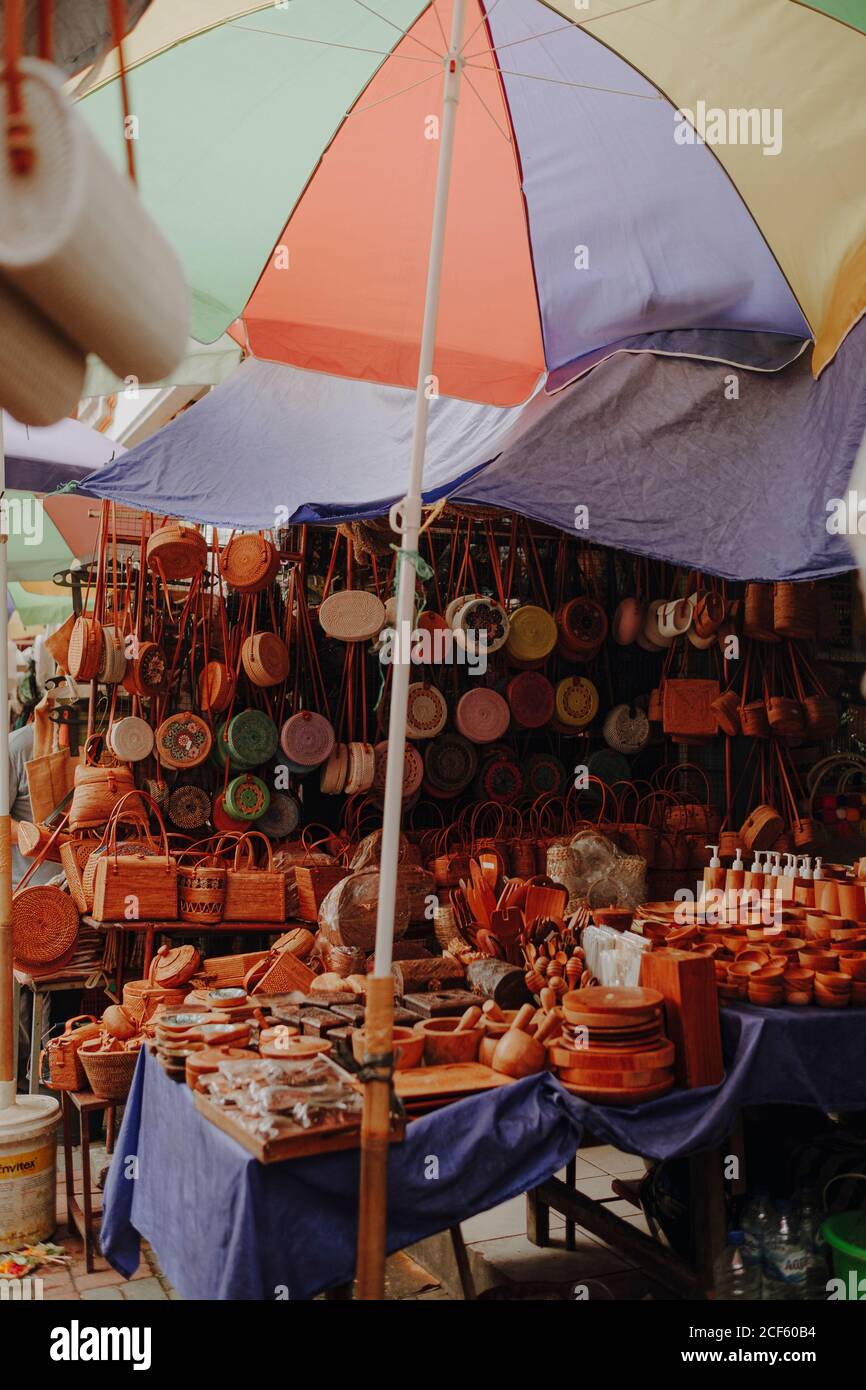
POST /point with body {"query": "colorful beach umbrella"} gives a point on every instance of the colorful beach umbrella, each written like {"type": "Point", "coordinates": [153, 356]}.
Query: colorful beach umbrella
{"type": "Point", "coordinates": [621, 170]}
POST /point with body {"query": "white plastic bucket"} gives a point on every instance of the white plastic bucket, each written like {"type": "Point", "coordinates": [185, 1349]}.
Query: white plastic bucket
{"type": "Point", "coordinates": [77, 241]}
{"type": "Point", "coordinates": [28, 1171]}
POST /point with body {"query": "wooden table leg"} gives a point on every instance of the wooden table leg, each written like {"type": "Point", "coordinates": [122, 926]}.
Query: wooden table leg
{"type": "Point", "coordinates": [110, 1116]}
{"type": "Point", "coordinates": [464, 1269]}
{"type": "Point", "coordinates": [149, 935]}
{"type": "Point", "coordinates": [35, 1040]}
{"type": "Point", "coordinates": [709, 1222]}
{"type": "Point", "coordinates": [537, 1218]}
{"type": "Point", "coordinates": [68, 1111]}
{"type": "Point", "coordinates": [571, 1181]}
{"type": "Point", "coordinates": [86, 1195]}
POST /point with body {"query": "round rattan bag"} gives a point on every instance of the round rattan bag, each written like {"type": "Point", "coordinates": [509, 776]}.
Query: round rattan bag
{"type": "Point", "coordinates": [626, 728]}
{"type": "Point", "coordinates": [265, 658]}
{"type": "Point", "coordinates": [307, 739]}
{"type": "Point", "coordinates": [247, 797]}
{"type": "Point", "coordinates": [251, 738]}
{"type": "Point", "coordinates": [183, 740]}
{"type": "Point", "coordinates": [177, 551]}
{"type": "Point", "coordinates": [249, 563]}
{"type": "Point", "coordinates": [189, 807]}
{"type": "Point", "coordinates": [353, 615]}
{"type": "Point", "coordinates": [426, 711]}
{"type": "Point", "coordinates": [44, 926]}
{"type": "Point", "coordinates": [576, 702]}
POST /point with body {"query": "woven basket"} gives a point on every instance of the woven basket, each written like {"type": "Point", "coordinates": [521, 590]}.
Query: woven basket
{"type": "Point", "coordinates": [177, 551]}
{"type": "Point", "coordinates": [44, 926]}
{"type": "Point", "coordinates": [253, 894]}
{"type": "Point", "coordinates": [795, 609]}
{"type": "Point", "coordinates": [146, 669]}
{"type": "Point", "coordinates": [109, 1073]}
{"type": "Point", "coordinates": [249, 562]}
{"type": "Point", "coordinates": [97, 792]}
{"type": "Point", "coordinates": [74, 856]}
{"type": "Point", "coordinates": [727, 711]}
{"type": "Point", "coordinates": [141, 999]}
{"type": "Point", "coordinates": [216, 687]}
{"type": "Point", "coordinates": [753, 719]}
{"type": "Point", "coordinates": [353, 615]}
{"type": "Point", "coordinates": [762, 828]}
{"type": "Point", "coordinates": [758, 613]}
{"type": "Point", "coordinates": [201, 892]}
{"type": "Point", "coordinates": [42, 371]}
{"type": "Point", "coordinates": [821, 715]}
{"type": "Point", "coordinates": [785, 716]}
{"type": "Point", "coordinates": [65, 1072]}
{"type": "Point", "coordinates": [182, 741]}
{"type": "Point", "coordinates": [314, 882]}
{"type": "Point", "coordinates": [265, 659]}
{"type": "Point", "coordinates": [86, 649]}
{"type": "Point", "coordinates": [189, 807]}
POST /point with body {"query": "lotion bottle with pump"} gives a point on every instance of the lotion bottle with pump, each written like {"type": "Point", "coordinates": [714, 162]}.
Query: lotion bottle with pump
{"type": "Point", "coordinates": [714, 874]}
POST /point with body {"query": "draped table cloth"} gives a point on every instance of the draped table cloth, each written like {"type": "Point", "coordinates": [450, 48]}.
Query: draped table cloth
{"type": "Point", "coordinates": [227, 1227]}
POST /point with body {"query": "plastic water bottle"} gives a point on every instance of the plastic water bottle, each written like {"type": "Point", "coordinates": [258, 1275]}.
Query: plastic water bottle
{"type": "Point", "coordinates": [736, 1276]}
{"type": "Point", "coordinates": [756, 1221]}
{"type": "Point", "coordinates": [809, 1216]}
{"type": "Point", "coordinates": [785, 1259]}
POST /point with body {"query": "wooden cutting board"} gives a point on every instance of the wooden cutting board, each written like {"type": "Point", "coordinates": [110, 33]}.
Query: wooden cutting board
{"type": "Point", "coordinates": [688, 986]}
{"type": "Point", "coordinates": [612, 999]}
{"type": "Point", "coordinates": [454, 1079]}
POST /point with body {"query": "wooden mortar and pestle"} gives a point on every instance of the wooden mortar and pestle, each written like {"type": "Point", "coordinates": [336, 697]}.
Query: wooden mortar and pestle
{"type": "Point", "coordinates": [451, 1039]}
{"type": "Point", "coordinates": [521, 1053]}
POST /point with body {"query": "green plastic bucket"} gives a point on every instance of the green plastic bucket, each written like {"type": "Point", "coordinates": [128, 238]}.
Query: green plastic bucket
{"type": "Point", "coordinates": [845, 1233]}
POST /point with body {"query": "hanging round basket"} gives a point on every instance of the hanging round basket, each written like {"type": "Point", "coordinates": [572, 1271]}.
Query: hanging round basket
{"type": "Point", "coordinates": [426, 711]}
{"type": "Point", "coordinates": [247, 797]}
{"type": "Point", "coordinates": [182, 741]}
{"type": "Point", "coordinates": [576, 702]}
{"type": "Point", "coordinates": [532, 634]}
{"type": "Point", "coordinates": [482, 715]}
{"type": "Point", "coordinates": [307, 739]}
{"type": "Point", "coordinates": [251, 738]}
{"type": "Point", "coordinates": [353, 615]}
{"type": "Point", "coordinates": [532, 699]}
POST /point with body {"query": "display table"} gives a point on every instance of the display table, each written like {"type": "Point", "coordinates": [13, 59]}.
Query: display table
{"type": "Point", "coordinates": [150, 930]}
{"type": "Point", "coordinates": [225, 1227]}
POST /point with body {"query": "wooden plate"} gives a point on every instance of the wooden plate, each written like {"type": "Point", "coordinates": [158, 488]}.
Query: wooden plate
{"type": "Point", "coordinates": [620, 1080]}
{"type": "Point", "coordinates": [612, 999]}
{"type": "Point", "coordinates": [453, 1079]}
{"type": "Point", "coordinates": [614, 1095]}
{"type": "Point", "coordinates": [612, 1059]}
{"type": "Point", "coordinates": [612, 1023]}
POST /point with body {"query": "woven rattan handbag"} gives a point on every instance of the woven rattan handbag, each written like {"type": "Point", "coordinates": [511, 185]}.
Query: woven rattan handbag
{"type": "Point", "coordinates": [135, 885]}
{"type": "Point", "coordinates": [279, 972]}
{"type": "Point", "coordinates": [44, 927]}
{"type": "Point", "coordinates": [249, 562]}
{"type": "Point", "coordinates": [97, 792]}
{"type": "Point", "coordinates": [265, 659]}
{"type": "Point", "coordinates": [253, 894]}
{"type": "Point", "coordinates": [86, 649]}
{"type": "Point", "coordinates": [177, 551]}
{"type": "Point", "coordinates": [201, 891]}
{"type": "Point", "coordinates": [65, 1072]}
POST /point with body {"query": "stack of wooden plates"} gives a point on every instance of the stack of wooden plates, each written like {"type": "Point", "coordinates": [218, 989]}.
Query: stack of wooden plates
{"type": "Point", "coordinates": [613, 1049]}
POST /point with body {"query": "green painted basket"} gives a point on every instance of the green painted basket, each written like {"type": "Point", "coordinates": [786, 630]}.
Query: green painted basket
{"type": "Point", "coordinates": [252, 738]}
{"type": "Point", "coordinates": [247, 797]}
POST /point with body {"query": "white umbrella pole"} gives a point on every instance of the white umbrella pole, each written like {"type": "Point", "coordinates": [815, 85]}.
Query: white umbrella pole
{"type": "Point", "coordinates": [379, 1018]}
{"type": "Point", "coordinates": [7, 1022]}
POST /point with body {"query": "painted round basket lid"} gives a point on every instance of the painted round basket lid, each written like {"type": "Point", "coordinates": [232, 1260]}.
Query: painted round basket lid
{"type": "Point", "coordinates": [532, 699]}
{"type": "Point", "coordinates": [584, 622]}
{"type": "Point", "coordinates": [353, 615]}
{"type": "Point", "coordinates": [426, 711]}
{"type": "Point", "coordinates": [307, 739]}
{"type": "Point", "coordinates": [251, 737]}
{"type": "Point", "coordinates": [152, 667]}
{"type": "Point", "coordinates": [413, 768]}
{"type": "Point", "coordinates": [281, 818]}
{"type": "Point", "coordinates": [247, 797]}
{"type": "Point", "coordinates": [450, 762]}
{"type": "Point", "coordinates": [453, 608]}
{"type": "Point", "coordinates": [183, 740]}
{"type": "Point", "coordinates": [500, 779]}
{"type": "Point", "coordinates": [576, 701]}
{"type": "Point", "coordinates": [532, 633]}
{"type": "Point", "coordinates": [543, 774]}
{"type": "Point", "coordinates": [486, 621]}
{"type": "Point", "coordinates": [482, 715]}
{"type": "Point", "coordinates": [131, 739]}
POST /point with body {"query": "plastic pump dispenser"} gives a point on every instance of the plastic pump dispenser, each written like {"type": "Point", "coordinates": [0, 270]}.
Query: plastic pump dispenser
{"type": "Point", "coordinates": [806, 868]}
{"type": "Point", "coordinates": [818, 872]}
{"type": "Point", "coordinates": [715, 861]}
{"type": "Point", "coordinates": [757, 867]}
{"type": "Point", "coordinates": [738, 862]}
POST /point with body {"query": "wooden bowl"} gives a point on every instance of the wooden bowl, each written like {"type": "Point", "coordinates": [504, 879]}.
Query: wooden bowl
{"type": "Point", "coordinates": [728, 994]}
{"type": "Point", "coordinates": [852, 900]}
{"type": "Point", "coordinates": [833, 980]}
{"type": "Point", "coordinates": [798, 998]}
{"type": "Point", "coordinates": [830, 998]}
{"type": "Point", "coordinates": [767, 974]}
{"type": "Point", "coordinates": [619, 918]}
{"type": "Point", "coordinates": [742, 969]}
{"type": "Point", "coordinates": [788, 945]}
{"type": "Point", "coordinates": [765, 996]}
{"type": "Point", "coordinates": [818, 958]}
{"type": "Point", "coordinates": [799, 977]}
{"type": "Point", "coordinates": [442, 1042]}
{"type": "Point", "coordinates": [853, 964]}
{"type": "Point", "coordinates": [754, 953]}
{"type": "Point", "coordinates": [408, 1047]}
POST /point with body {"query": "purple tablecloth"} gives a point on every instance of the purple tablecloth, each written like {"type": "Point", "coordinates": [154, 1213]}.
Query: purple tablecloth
{"type": "Point", "coordinates": [225, 1226]}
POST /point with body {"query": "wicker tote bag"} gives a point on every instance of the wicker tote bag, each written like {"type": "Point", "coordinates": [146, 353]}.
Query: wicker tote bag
{"type": "Point", "coordinates": [127, 882]}
{"type": "Point", "coordinates": [97, 792]}
{"type": "Point", "coordinates": [65, 1072]}
{"type": "Point", "coordinates": [254, 894]}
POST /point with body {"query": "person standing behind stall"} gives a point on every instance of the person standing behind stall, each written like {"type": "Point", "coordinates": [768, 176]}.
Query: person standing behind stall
{"type": "Point", "coordinates": [20, 752]}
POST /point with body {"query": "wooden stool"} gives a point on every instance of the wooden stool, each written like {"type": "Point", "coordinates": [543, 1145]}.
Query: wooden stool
{"type": "Point", "coordinates": [81, 1214]}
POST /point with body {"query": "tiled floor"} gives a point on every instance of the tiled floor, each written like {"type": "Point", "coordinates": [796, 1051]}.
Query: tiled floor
{"type": "Point", "coordinates": [496, 1240]}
